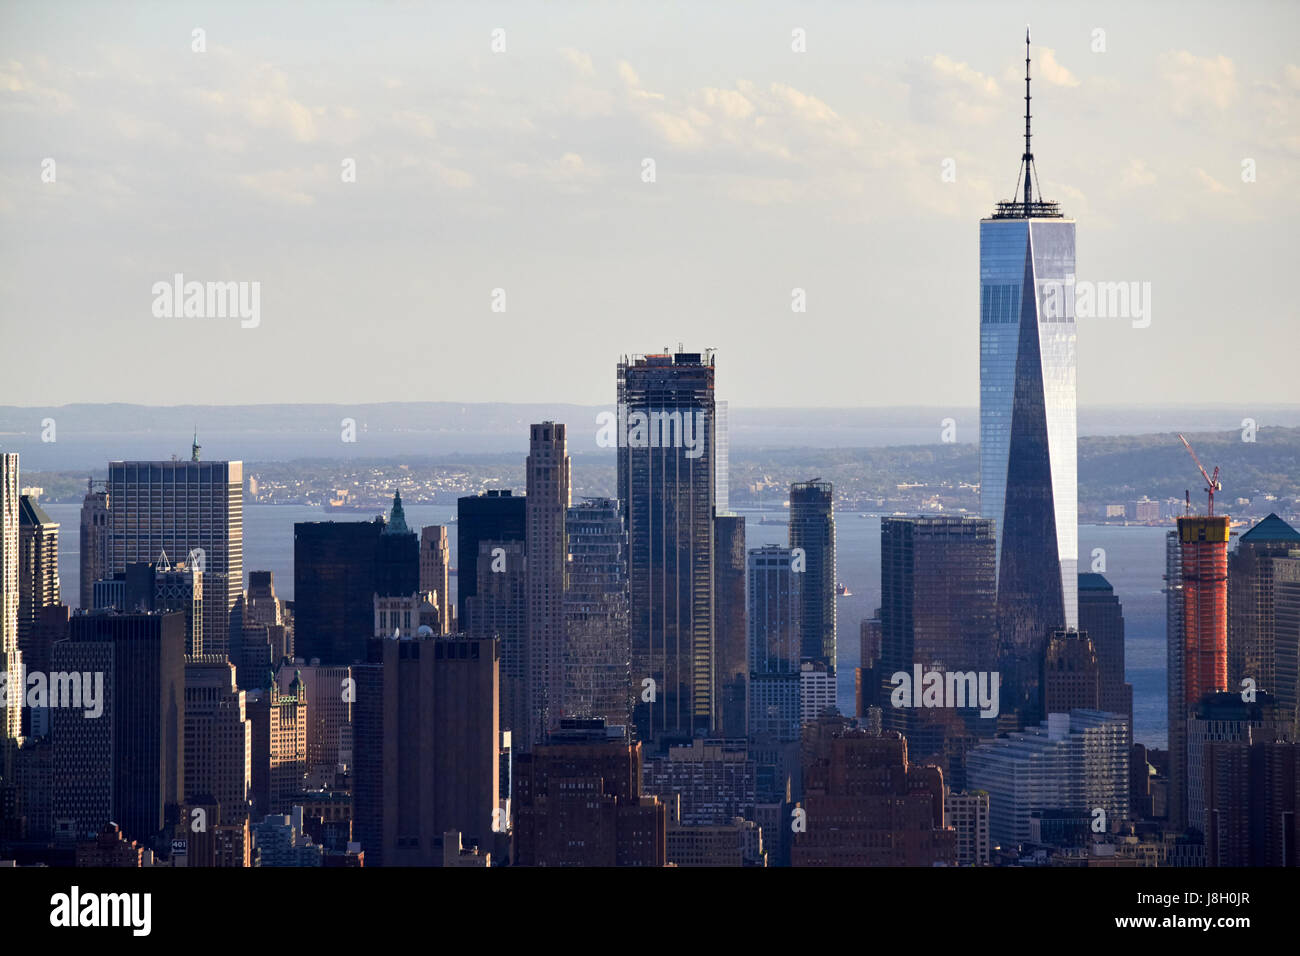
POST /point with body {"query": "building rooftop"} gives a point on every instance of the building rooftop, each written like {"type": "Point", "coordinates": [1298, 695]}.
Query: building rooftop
{"type": "Point", "coordinates": [1271, 528]}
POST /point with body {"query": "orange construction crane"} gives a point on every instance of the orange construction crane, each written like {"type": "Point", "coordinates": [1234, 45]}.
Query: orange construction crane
{"type": "Point", "coordinates": [1212, 483]}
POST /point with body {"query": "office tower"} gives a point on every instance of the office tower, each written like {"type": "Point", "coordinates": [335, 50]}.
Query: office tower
{"type": "Point", "coordinates": [218, 739]}
{"type": "Point", "coordinates": [812, 528]}
{"type": "Point", "coordinates": [492, 516]}
{"type": "Point", "coordinates": [11, 717]}
{"type": "Point", "coordinates": [1252, 651]}
{"type": "Point", "coordinates": [722, 458]}
{"type": "Point", "coordinates": [968, 815]}
{"type": "Point", "coordinates": [817, 691]}
{"type": "Point", "coordinates": [162, 586]}
{"type": "Point", "coordinates": [1102, 618]}
{"type": "Point", "coordinates": [499, 610]}
{"type": "Point", "coordinates": [267, 636]}
{"type": "Point", "coordinates": [1073, 762]}
{"type": "Point", "coordinates": [279, 724]}
{"type": "Point", "coordinates": [1223, 718]}
{"type": "Point", "coordinates": [1286, 637]}
{"type": "Point", "coordinates": [435, 561]}
{"type": "Point", "coordinates": [338, 568]}
{"type": "Point", "coordinates": [774, 645]}
{"type": "Point", "coordinates": [666, 488]}
{"type": "Point", "coordinates": [406, 614]}
{"type": "Point", "coordinates": [141, 658]}
{"type": "Point", "coordinates": [330, 695]}
{"type": "Point", "coordinates": [937, 611]}
{"type": "Point", "coordinates": [866, 804]}
{"type": "Point", "coordinates": [38, 565]}
{"type": "Point", "coordinates": [707, 782]}
{"type": "Point", "coordinates": [425, 747]}
{"type": "Point", "coordinates": [867, 683]}
{"type": "Point", "coordinates": [82, 771]}
{"type": "Point", "coordinates": [1071, 677]}
{"type": "Point", "coordinates": [95, 553]}
{"type": "Point", "coordinates": [1196, 632]}
{"type": "Point", "coordinates": [579, 802]}
{"type": "Point", "coordinates": [37, 653]}
{"type": "Point", "coordinates": [598, 679]}
{"type": "Point", "coordinates": [729, 621]}
{"type": "Point", "coordinates": [193, 511]}
{"type": "Point", "coordinates": [545, 508]}
{"type": "Point", "coordinates": [1028, 444]}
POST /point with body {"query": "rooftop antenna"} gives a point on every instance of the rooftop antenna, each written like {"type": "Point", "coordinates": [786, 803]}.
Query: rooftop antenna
{"type": "Point", "coordinates": [196, 447]}
{"type": "Point", "coordinates": [1028, 158]}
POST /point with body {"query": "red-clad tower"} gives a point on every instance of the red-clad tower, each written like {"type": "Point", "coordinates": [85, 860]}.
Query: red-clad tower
{"type": "Point", "coordinates": [1204, 544]}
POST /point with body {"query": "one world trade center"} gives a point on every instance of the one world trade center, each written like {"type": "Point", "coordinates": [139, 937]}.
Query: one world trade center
{"type": "Point", "coordinates": [1028, 448]}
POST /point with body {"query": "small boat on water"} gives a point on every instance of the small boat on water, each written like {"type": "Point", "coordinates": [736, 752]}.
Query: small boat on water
{"type": "Point", "coordinates": [842, 590]}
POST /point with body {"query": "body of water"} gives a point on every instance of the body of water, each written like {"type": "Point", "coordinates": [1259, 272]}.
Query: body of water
{"type": "Point", "coordinates": [1135, 561]}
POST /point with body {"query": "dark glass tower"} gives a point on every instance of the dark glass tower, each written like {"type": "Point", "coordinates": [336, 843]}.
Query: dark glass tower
{"type": "Point", "coordinates": [1028, 444]}
{"type": "Point", "coordinates": [812, 528]}
{"type": "Point", "coordinates": [666, 487]}
{"type": "Point", "coordinates": [492, 516]}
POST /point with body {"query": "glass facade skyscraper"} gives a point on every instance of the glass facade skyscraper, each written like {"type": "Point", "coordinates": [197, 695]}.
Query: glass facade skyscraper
{"type": "Point", "coordinates": [1028, 430]}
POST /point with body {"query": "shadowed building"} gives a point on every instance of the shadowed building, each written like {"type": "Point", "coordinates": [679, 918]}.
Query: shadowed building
{"type": "Point", "coordinates": [812, 528]}
{"type": "Point", "coordinates": [597, 649]}
{"type": "Point", "coordinates": [1102, 618]}
{"type": "Point", "coordinates": [546, 506]}
{"type": "Point", "coordinates": [1252, 638]}
{"type": "Point", "coordinates": [94, 555]}
{"type": "Point", "coordinates": [729, 620]}
{"type": "Point", "coordinates": [435, 560]}
{"type": "Point", "coordinates": [492, 516]}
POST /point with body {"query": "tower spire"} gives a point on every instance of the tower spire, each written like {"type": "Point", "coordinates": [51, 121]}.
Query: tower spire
{"type": "Point", "coordinates": [1028, 158]}
{"type": "Point", "coordinates": [195, 448]}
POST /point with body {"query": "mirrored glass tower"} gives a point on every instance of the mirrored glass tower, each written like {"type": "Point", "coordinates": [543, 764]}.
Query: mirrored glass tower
{"type": "Point", "coordinates": [1028, 468]}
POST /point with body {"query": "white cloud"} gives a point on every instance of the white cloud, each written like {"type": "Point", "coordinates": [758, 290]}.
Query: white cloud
{"type": "Point", "coordinates": [1195, 83]}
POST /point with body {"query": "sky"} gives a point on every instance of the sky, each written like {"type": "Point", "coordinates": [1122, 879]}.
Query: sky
{"type": "Point", "coordinates": [500, 157]}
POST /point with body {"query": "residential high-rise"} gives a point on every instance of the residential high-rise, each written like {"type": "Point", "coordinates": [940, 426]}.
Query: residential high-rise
{"type": "Point", "coordinates": [598, 679]}
{"type": "Point", "coordinates": [95, 553]}
{"type": "Point", "coordinates": [194, 511]}
{"type": "Point", "coordinates": [218, 739]}
{"type": "Point", "coordinates": [812, 528]}
{"type": "Point", "coordinates": [730, 623]}
{"type": "Point", "coordinates": [495, 515]}
{"type": "Point", "coordinates": [435, 561]}
{"type": "Point", "coordinates": [546, 506]}
{"type": "Point", "coordinates": [667, 488]}
{"type": "Point", "coordinates": [578, 802]}
{"type": "Point", "coordinates": [968, 815]}
{"type": "Point", "coordinates": [936, 611]}
{"type": "Point", "coordinates": [1196, 584]}
{"type": "Point", "coordinates": [1252, 651]}
{"type": "Point", "coordinates": [338, 568]}
{"type": "Point", "coordinates": [38, 565]}
{"type": "Point", "coordinates": [774, 643]}
{"type": "Point", "coordinates": [1102, 618]}
{"type": "Point", "coordinates": [1028, 441]}
{"type": "Point", "coordinates": [142, 659]}
{"type": "Point", "coordinates": [11, 717]}
{"type": "Point", "coordinates": [425, 747]}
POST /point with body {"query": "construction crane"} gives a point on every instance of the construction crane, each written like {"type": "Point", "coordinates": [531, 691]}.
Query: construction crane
{"type": "Point", "coordinates": [1212, 483]}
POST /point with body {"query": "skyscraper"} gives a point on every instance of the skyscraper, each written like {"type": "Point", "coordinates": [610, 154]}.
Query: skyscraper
{"type": "Point", "coordinates": [338, 568]}
{"type": "Point", "coordinates": [545, 508]}
{"type": "Point", "coordinates": [666, 488]}
{"type": "Point", "coordinates": [1252, 639]}
{"type": "Point", "coordinates": [194, 511]}
{"type": "Point", "coordinates": [435, 558]}
{"type": "Point", "coordinates": [936, 611]}
{"type": "Point", "coordinates": [598, 680]}
{"type": "Point", "coordinates": [499, 610]}
{"type": "Point", "coordinates": [730, 628]}
{"type": "Point", "coordinates": [94, 555]}
{"type": "Point", "coordinates": [218, 738]}
{"type": "Point", "coordinates": [38, 570]}
{"type": "Point", "coordinates": [1028, 444]}
{"type": "Point", "coordinates": [775, 600]}
{"type": "Point", "coordinates": [147, 677]}
{"type": "Point", "coordinates": [495, 515]}
{"type": "Point", "coordinates": [425, 747]}
{"type": "Point", "coordinates": [1102, 618]}
{"type": "Point", "coordinates": [1196, 583]}
{"type": "Point", "coordinates": [812, 528]}
{"type": "Point", "coordinates": [11, 718]}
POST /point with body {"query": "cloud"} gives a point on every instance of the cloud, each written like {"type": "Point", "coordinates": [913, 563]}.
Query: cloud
{"type": "Point", "coordinates": [1136, 174]}
{"type": "Point", "coordinates": [580, 61]}
{"type": "Point", "coordinates": [1209, 182]}
{"type": "Point", "coordinates": [943, 91]}
{"type": "Point", "coordinates": [1195, 83]}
